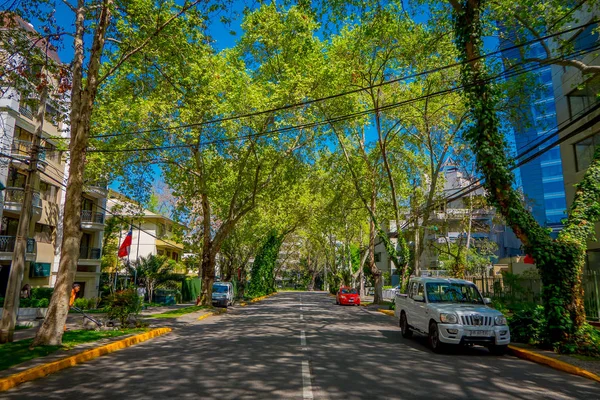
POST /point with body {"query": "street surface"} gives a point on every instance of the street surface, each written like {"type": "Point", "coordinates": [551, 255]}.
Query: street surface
{"type": "Point", "coordinates": [299, 345]}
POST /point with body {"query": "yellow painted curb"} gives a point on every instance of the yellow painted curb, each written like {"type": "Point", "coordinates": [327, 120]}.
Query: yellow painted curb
{"type": "Point", "coordinates": [257, 299]}
{"type": "Point", "coordinates": [552, 362]}
{"type": "Point", "coordinates": [386, 312]}
{"type": "Point", "coordinates": [211, 313]}
{"type": "Point", "coordinates": [204, 316]}
{"type": "Point", "coordinates": [45, 369]}
{"type": "Point", "coordinates": [243, 304]}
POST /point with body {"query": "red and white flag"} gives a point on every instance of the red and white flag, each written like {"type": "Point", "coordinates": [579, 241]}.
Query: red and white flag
{"type": "Point", "coordinates": [124, 249]}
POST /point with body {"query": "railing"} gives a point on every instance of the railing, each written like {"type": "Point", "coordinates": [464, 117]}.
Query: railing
{"type": "Point", "coordinates": [23, 148]}
{"type": "Point", "coordinates": [591, 287]}
{"type": "Point", "coordinates": [17, 195]}
{"type": "Point", "coordinates": [89, 253]}
{"type": "Point", "coordinates": [27, 113]}
{"type": "Point", "coordinates": [7, 244]}
{"type": "Point", "coordinates": [89, 216]}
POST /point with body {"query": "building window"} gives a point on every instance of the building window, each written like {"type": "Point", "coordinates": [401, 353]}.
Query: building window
{"type": "Point", "coordinates": [161, 230]}
{"type": "Point", "coordinates": [553, 187]}
{"type": "Point", "coordinates": [43, 233]}
{"type": "Point", "coordinates": [552, 170]}
{"type": "Point", "coordinates": [377, 257]}
{"type": "Point", "coordinates": [15, 179]}
{"type": "Point", "coordinates": [584, 151]}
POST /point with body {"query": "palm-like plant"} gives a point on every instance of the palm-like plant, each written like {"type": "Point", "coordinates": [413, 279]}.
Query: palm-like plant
{"type": "Point", "coordinates": [153, 271]}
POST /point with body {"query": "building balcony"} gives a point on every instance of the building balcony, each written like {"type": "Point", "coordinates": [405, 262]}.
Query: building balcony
{"type": "Point", "coordinates": [92, 220]}
{"type": "Point", "coordinates": [98, 189]}
{"type": "Point", "coordinates": [26, 112]}
{"type": "Point", "coordinates": [89, 255]}
{"type": "Point", "coordinates": [21, 149]}
{"type": "Point", "coordinates": [7, 247]}
{"type": "Point", "coordinates": [13, 201]}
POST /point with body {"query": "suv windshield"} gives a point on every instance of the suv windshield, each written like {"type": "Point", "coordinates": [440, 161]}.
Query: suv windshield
{"type": "Point", "coordinates": [453, 293]}
{"type": "Point", "coordinates": [219, 289]}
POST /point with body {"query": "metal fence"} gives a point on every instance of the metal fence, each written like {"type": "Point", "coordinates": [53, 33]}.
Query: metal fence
{"type": "Point", "coordinates": [521, 289]}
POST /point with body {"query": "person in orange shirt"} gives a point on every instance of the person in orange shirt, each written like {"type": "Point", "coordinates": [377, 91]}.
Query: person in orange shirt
{"type": "Point", "coordinates": [74, 291]}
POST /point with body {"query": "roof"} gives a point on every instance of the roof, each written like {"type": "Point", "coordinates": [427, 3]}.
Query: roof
{"type": "Point", "coordinates": [132, 208]}
{"type": "Point", "coordinates": [11, 20]}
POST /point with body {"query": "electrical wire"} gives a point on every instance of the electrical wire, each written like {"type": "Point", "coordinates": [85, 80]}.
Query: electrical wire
{"type": "Point", "coordinates": [346, 93]}
{"type": "Point", "coordinates": [502, 75]}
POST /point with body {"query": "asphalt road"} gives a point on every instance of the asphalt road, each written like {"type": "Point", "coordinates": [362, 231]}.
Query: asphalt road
{"type": "Point", "coordinates": [302, 346]}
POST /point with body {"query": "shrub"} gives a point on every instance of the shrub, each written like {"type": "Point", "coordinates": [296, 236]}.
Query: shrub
{"type": "Point", "coordinates": [528, 325]}
{"type": "Point", "coordinates": [41, 293]}
{"type": "Point", "coordinates": [123, 304]}
{"type": "Point", "coordinates": [92, 303]}
{"type": "Point", "coordinates": [81, 303]}
{"type": "Point", "coordinates": [586, 341]}
{"type": "Point", "coordinates": [43, 303]}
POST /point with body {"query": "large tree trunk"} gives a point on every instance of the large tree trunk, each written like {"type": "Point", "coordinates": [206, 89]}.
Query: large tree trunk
{"type": "Point", "coordinates": [82, 100]}
{"type": "Point", "coordinates": [378, 298]}
{"type": "Point", "coordinates": [51, 331]}
{"type": "Point", "coordinates": [207, 274]}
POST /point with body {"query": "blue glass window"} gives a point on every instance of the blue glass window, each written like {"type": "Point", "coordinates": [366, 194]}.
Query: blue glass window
{"type": "Point", "coordinates": [553, 187]}
{"type": "Point", "coordinates": [555, 204]}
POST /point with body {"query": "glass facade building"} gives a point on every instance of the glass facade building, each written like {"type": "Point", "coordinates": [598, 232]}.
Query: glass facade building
{"type": "Point", "coordinates": [542, 177]}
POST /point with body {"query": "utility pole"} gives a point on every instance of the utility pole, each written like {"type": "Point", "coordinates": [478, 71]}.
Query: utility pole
{"type": "Point", "coordinates": [17, 269]}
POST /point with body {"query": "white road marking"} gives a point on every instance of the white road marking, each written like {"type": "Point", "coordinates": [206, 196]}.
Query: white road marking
{"type": "Point", "coordinates": [307, 393]}
{"type": "Point", "coordinates": [302, 339]}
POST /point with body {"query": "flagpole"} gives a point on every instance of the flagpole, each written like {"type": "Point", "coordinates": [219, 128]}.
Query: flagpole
{"type": "Point", "coordinates": [129, 250]}
{"type": "Point", "coordinates": [137, 251]}
{"type": "Point", "coordinates": [118, 259]}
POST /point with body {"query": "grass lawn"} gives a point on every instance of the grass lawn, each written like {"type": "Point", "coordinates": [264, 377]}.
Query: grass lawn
{"type": "Point", "coordinates": [17, 352]}
{"type": "Point", "coordinates": [178, 312]}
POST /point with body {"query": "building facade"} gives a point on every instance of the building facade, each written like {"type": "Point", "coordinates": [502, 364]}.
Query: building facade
{"type": "Point", "coordinates": [17, 127]}
{"type": "Point", "coordinates": [576, 96]}
{"type": "Point", "coordinates": [152, 234]}
{"type": "Point", "coordinates": [542, 177]}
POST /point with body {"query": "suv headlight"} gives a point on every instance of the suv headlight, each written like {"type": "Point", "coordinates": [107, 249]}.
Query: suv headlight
{"type": "Point", "coordinates": [448, 318]}
{"type": "Point", "coordinates": [500, 320]}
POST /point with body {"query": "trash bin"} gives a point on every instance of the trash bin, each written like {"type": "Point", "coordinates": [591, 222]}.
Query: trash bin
{"type": "Point", "coordinates": [165, 296]}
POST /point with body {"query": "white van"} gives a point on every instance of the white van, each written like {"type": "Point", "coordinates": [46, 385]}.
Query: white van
{"type": "Point", "coordinates": [222, 294]}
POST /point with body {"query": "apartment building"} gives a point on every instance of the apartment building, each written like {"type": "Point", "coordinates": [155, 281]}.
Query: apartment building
{"type": "Point", "coordinates": [17, 127]}
{"type": "Point", "coordinates": [448, 224]}
{"type": "Point", "coordinates": [576, 96]}
{"type": "Point", "coordinates": [152, 233]}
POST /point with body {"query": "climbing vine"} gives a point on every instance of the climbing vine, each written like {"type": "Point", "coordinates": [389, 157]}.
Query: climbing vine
{"type": "Point", "coordinates": [560, 262]}
{"type": "Point", "coordinates": [262, 277]}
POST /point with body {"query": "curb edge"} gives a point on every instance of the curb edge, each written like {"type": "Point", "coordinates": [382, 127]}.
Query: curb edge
{"type": "Point", "coordinates": [40, 371]}
{"type": "Point", "coordinates": [552, 362]}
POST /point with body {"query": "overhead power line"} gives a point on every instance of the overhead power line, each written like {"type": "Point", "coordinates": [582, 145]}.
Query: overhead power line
{"type": "Point", "coordinates": [502, 75]}
{"type": "Point", "coordinates": [345, 93]}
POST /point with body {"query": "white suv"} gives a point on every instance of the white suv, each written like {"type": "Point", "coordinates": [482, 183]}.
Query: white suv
{"type": "Point", "coordinates": [451, 311]}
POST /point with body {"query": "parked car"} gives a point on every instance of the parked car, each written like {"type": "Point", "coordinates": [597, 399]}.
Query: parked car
{"type": "Point", "coordinates": [451, 312]}
{"type": "Point", "coordinates": [222, 294]}
{"type": "Point", "coordinates": [347, 296]}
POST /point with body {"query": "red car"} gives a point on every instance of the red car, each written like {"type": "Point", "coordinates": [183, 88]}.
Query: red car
{"type": "Point", "coordinates": [347, 296]}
